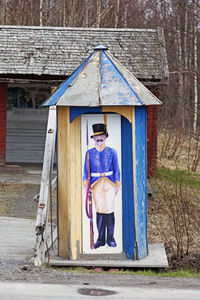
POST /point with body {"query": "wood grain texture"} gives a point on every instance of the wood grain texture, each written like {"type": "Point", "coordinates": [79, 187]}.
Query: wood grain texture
{"type": "Point", "coordinates": [121, 110]}
{"type": "Point", "coordinates": [69, 185]}
{"type": "Point", "coordinates": [141, 178]}
{"type": "Point", "coordinates": [134, 179]}
{"type": "Point", "coordinates": [63, 180]}
{"type": "Point", "coordinates": [43, 206]}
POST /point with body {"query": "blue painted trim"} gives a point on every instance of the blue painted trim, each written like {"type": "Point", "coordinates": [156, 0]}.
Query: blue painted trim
{"type": "Point", "coordinates": [141, 178]}
{"type": "Point", "coordinates": [75, 111]}
{"type": "Point", "coordinates": [127, 189]}
{"type": "Point", "coordinates": [53, 99]}
{"type": "Point", "coordinates": [117, 74]}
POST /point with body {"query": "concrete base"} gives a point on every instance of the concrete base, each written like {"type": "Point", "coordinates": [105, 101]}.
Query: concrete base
{"type": "Point", "coordinates": [17, 239]}
{"type": "Point", "coordinates": [156, 259]}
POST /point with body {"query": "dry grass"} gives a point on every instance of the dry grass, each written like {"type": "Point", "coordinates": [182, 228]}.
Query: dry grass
{"type": "Point", "coordinates": [179, 151]}
{"type": "Point", "coordinates": [174, 209]}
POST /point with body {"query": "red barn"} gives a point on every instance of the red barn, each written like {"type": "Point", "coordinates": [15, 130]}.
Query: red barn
{"type": "Point", "coordinates": [36, 59]}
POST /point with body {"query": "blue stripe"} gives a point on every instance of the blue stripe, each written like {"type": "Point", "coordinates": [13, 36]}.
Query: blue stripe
{"type": "Point", "coordinates": [53, 99]}
{"type": "Point", "coordinates": [106, 62]}
{"type": "Point", "coordinates": [75, 111]}
{"type": "Point", "coordinates": [141, 178]}
{"type": "Point", "coordinates": [127, 189]}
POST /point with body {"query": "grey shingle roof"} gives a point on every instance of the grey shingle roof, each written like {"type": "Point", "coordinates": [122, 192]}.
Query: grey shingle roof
{"type": "Point", "coordinates": [60, 50]}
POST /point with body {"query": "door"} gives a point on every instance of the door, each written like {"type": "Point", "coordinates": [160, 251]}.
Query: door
{"type": "Point", "coordinates": [106, 188]}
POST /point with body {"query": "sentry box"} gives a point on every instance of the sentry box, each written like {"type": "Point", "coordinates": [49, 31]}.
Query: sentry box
{"type": "Point", "coordinates": [102, 160]}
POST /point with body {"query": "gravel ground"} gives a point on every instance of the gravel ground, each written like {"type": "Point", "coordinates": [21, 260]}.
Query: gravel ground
{"type": "Point", "coordinates": [20, 270]}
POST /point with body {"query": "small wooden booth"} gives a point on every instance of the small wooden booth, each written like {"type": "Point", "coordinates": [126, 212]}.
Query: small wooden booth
{"type": "Point", "coordinates": [101, 91]}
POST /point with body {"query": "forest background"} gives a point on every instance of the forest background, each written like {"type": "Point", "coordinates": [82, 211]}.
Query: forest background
{"type": "Point", "coordinates": [174, 212]}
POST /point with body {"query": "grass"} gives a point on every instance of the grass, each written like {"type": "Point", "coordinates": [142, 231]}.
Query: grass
{"type": "Point", "coordinates": [179, 176]}
{"type": "Point", "coordinates": [168, 273]}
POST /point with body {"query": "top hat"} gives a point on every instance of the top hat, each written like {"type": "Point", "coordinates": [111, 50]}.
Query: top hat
{"type": "Point", "coordinates": [99, 129]}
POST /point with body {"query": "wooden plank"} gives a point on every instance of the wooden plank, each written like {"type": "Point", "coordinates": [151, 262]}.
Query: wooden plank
{"type": "Point", "coordinates": [26, 125]}
{"type": "Point", "coordinates": [141, 178]}
{"type": "Point", "coordinates": [134, 180]}
{"type": "Point", "coordinates": [26, 146]}
{"type": "Point", "coordinates": [121, 110]}
{"type": "Point", "coordinates": [127, 188]}
{"type": "Point", "coordinates": [84, 88]}
{"type": "Point", "coordinates": [78, 187]}
{"type": "Point", "coordinates": [25, 137]}
{"type": "Point", "coordinates": [42, 215]}
{"type": "Point", "coordinates": [37, 157]}
{"type": "Point", "coordinates": [63, 180]}
{"type": "Point", "coordinates": [53, 186]}
{"type": "Point", "coordinates": [75, 187]}
{"type": "Point", "coordinates": [72, 189]}
{"type": "Point", "coordinates": [26, 133]}
{"type": "Point", "coordinates": [69, 184]}
{"type": "Point", "coordinates": [29, 139]}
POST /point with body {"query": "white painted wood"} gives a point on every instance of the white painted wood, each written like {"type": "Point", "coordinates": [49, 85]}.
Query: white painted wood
{"type": "Point", "coordinates": [145, 96]}
{"type": "Point", "coordinates": [84, 89]}
{"type": "Point", "coordinates": [53, 186]}
{"type": "Point", "coordinates": [42, 215]}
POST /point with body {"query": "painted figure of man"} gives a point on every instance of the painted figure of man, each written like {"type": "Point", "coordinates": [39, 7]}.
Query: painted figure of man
{"type": "Point", "coordinates": [105, 183]}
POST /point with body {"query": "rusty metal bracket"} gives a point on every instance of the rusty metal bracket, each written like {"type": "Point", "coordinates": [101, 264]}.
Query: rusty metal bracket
{"type": "Point", "coordinates": [41, 205]}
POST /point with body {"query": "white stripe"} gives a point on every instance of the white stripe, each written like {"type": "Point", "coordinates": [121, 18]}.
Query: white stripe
{"type": "Point", "coordinates": [102, 174]}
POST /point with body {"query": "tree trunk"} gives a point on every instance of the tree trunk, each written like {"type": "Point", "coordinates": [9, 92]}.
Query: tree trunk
{"type": "Point", "coordinates": [117, 4]}
{"type": "Point", "coordinates": [41, 12]}
{"type": "Point", "coordinates": [98, 15]}
{"type": "Point", "coordinates": [86, 13]}
{"type": "Point", "coordinates": [195, 68]}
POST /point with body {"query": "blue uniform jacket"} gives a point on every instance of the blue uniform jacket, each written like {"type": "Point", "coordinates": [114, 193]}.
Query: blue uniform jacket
{"type": "Point", "coordinates": [102, 162]}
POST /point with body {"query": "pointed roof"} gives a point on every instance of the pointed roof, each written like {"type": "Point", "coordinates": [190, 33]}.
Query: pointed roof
{"type": "Point", "coordinates": [101, 80]}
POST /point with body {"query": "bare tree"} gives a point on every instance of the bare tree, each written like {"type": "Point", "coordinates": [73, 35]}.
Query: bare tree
{"type": "Point", "coordinates": [195, 67]}
{"type": "Point", "coordinates": [41, 12]}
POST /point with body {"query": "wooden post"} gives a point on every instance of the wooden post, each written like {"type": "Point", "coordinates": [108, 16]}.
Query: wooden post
{"type": "Point", "coordinates": [69, 185]}
{"type": "Point", "coordinates": [42, 215]}
{"type": "Point", "coordinates": [3, 103]}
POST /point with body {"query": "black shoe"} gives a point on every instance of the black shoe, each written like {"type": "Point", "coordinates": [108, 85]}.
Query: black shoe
{"type": "Point", "coordinates": [98, 244]}
{"type": "Point", "coordinates": [112, 244]}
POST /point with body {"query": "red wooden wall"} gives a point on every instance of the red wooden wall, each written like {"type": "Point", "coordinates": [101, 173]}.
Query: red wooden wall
{"type": "Point", "coordinates": [152, 133]}
{"type": "Point", "coordinates": [3, 104]}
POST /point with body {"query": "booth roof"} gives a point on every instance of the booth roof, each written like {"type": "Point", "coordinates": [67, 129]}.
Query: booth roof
{"type": "Point", "coordinates": [101, 81]}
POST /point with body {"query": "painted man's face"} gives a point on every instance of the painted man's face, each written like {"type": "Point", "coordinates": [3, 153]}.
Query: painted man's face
{"type": "Point", "coordinates": [99, 139]}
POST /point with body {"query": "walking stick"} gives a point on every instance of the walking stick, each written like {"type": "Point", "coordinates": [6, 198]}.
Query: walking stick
{"type": "Point", "coordinates": [88, 202]}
